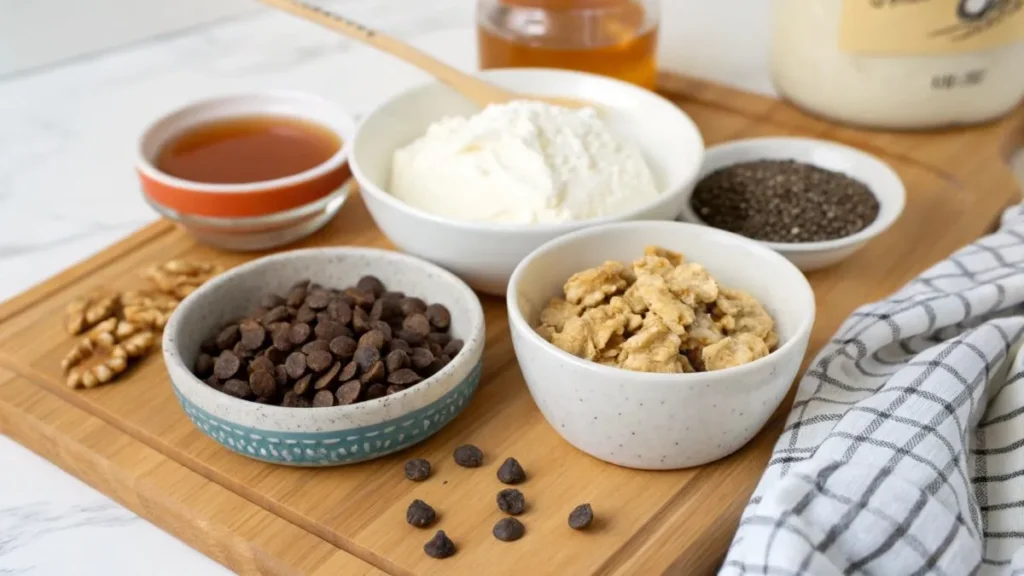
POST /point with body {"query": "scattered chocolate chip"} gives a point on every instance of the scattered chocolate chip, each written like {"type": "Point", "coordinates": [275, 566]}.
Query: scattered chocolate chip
{"type": "Point", "coordinates": [228, 337]}
{"type": "Point", "coordinates": [204, 365]}
{"type": "Point", "coordinates": [226, 365]}
{"type": "Point", "coordinates": [440, 546]}
{"type": "Point", "coordinates": [329, 378]}
{"type": "Point", "coordinates": [511, 501]}
{"type": "Point", "coordinates": [453, 348]}
{"type": "Point", "coordinates": [511, 472]}
{"type": "Point", "coordinates": [295, 364]}
{"type": "Point", "coordinates": [404, 377]}
{"type": "Point", "coordinates": [417, 469]}
{"type": "Point", "coordinates": [508, 530]}
{"type": "Point", "coordinates": [376, 391]}
{"type": "Point", "coordinates": [263, 383]}
{"type": "Point", "coordinates": [316, 345]}
{"type": "Point", "coordinates": [469, 456]}
{"type": "Point", "coordinates": [349, 392]}
{"type": "Point", "coordinates": [438, 316]}
{"type": "Point", "coordinates": [323, 399]}
{"type": "Point", "coordinates": [237, 388]}
{"type": "Point", "coordinates": [581, 517]}
{"type": "Point", "coordinates": [420, 514]}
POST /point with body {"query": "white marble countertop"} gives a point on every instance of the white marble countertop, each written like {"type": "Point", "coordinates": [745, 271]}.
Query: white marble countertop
{"type": "Point", "coordinates": [70, 118]}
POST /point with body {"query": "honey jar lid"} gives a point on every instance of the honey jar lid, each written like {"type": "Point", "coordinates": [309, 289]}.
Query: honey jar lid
{"type": "Point", "coordinates": [566, 4]}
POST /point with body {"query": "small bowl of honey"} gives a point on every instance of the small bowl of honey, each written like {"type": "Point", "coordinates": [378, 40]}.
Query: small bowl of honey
{"type": "Point", "coordinates": [248, 171]}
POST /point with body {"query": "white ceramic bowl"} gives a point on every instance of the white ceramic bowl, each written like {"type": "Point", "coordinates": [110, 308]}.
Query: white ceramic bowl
{"type": "Point", "coordinates": [659, 421]}
{"type": "Point", "coordinates": [339, 434]}
{"type": "Point", "coordinates": [881, 179]}
{"type": "Point", "coordinates": [484, 254]}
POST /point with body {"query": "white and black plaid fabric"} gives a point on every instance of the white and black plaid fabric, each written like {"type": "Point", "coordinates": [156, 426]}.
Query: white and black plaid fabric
{"type": "Point", "coordinates": [904, 450]}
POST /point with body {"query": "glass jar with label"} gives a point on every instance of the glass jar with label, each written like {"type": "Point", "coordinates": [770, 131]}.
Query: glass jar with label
{"type": "Point", "coordinates": [616, 38]}
{"type": "Point", "coordinates": [900, 64]}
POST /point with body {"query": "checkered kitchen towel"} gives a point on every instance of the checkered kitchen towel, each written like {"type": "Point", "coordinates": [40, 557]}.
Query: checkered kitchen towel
{"type": "Point", "coordinates": [904, 451]}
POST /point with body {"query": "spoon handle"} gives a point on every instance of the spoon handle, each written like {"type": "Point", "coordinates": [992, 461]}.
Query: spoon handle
{"type": "Point", "coordinates": [478, 91]}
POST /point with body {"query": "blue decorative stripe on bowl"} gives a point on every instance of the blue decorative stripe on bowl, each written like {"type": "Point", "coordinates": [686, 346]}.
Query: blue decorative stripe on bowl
{"type": "Point", "coordinates": [337, 447]}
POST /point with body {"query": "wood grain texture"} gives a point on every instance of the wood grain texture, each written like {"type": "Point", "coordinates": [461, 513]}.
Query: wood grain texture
{"type": "Point", "coordinates": [650, 522]}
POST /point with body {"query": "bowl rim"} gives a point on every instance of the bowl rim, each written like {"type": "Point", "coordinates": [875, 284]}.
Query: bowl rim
{"type": "Point", "coordinates": [667, 191]}
{"type": "Point", "coordinates": [518, 322]}
{"type": "Point", "coordinates": [172, 355]}
{"type": "Point", "coordinates": [895, 193]}
{"type": "Point", "coordinates": [344, 128]}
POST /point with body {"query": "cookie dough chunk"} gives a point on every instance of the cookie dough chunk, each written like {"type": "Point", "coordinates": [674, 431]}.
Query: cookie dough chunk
{"type": "Point", "coordinates": [742, 314]}
{"type": "Point", "coordinates": [733, 351]}
{"type": "Point", "coordinates": [655, 348]}
{"type": "Point", "coordinates": [557, 313]}
{"type": "Point", "coordinates": [590, 287]}
{"type": "Point", "coordinates": [660, 301]}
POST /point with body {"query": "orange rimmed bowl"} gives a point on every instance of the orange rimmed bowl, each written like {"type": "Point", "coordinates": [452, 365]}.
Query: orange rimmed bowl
{"type": "Point", "coordinates": [256, 215]}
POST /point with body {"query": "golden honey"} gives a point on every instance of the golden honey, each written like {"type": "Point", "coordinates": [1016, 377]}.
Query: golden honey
{"type": "Point", "coordinates": [616, 38]}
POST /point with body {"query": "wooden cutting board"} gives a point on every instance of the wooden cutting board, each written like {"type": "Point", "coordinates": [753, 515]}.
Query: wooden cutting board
{"type": "Point", "coordinates": [132, 441]}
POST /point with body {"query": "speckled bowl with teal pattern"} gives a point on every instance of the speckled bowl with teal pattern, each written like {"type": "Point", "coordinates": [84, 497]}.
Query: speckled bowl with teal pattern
{"type": "Point", "coordinates": [340, 434]}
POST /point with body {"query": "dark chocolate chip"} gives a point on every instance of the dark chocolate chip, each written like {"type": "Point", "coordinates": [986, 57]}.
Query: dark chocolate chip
{"type": "Point", "coordinates": [271, 300]}
{"type": "Point", "coordinates": [299, 333]}
{"type": "Point", "coordinates": [227, 337]}
{"type": "Point", "coordinates": [226, 365]}
{"type": "Point", "coordinates": [319, 360]}
{"type": "Point", "coordinates": [316, 345]}
{"type": "Point", "coordinates": [403, 377]}
{"type": "Point", "coordinates": [366, 356]}
{"type": "Point", "coordinates": [440, 546]}
{"type": "Point", "coordinates": [434, 348]}
{"type": "Point", "coordinates": [339, 311]}
{"type": "Point", "coordinates": [393, 295]}
{"type": "Point", "coordinates": [323, 399]}
{"type": "Point", "coordinates": [417, 323]}
{"type": "Point", "coordinates": [420, 514]}
{"type": "Point", "coordinates": [383, 327]}
{"type": "Point", "coordinates": [204, 365]}
{"type": "Point", "coordinates": [348, 393]}
{"type": "Point", "coordinates": [508, 530]}
{"type": "Point", "coordinates": [242, 352]}
{"type": "Point", "coordinates": [386, 310]}
{"type": "Point", "coordinates": [360, 320]}
{"type": "Point", "coordinates": [302, 385]}
{"type": "Point", "coordinates": [438, 316]}
{"type": "Point", "coordinates": [328, 380]}
{"type": "Point", "coordinates": [420, 358]}
{"type": "Point", "coordinates": [398, 344]}
{"type": "Point", "coordinates": [261, 363]}
{"type": "Point", "coordinates": [439, 338]}
{"type": "Point", "coordinates": [303, 402]}
{"type": "Point", "coordinates": [411, 338]}
{"type": "Point", "coordinates": [375, 373]}
{"type": "Point", "coordinates": [410, 306]}
{"type": "Point", "coordinates": [275, 314]}
{"type": "Point", "coordinates": [469, 456]}
{"type": "Point", "coordinates": [290, 399]}
{"type": "Point", "coordinates": [343, 347]}
{"type": "Point", "coordinates": [361, 298]}
{"type": "Point", "coordinates": [348, 371]}
{"type": "Point", "coordinates": [417, 469]}
{"type": "Point", "coordinates": [371, 284]}
{"type": "Point", "coordinates": [281, 375]}
{"type": "Point", "coordinates": [237, 388]}
{"type": "Point", "coordinates": [318, 299]}
{"type": "Point", "coordinates": [376, 391]}
{"type": "Point", "coordinates": [511, 501]}
{"type": "Point", "coordinates": [280, 336]}
{"type": "Point", "coordinates": [395, 361]}
{"type": "Point", "coordinates": [305, 315]}
{"type": "Point", "coordinates": [296, 365]}
{"type": "Point", "coordinates": [373, 339]}
{"type": "Point", "coordinates": [435, 365]}
{"type": "Point", "coordinates": [210, 345]}
{"type": "Point", "coordinates": [581, 517]}
{"type": "Point", "coordinates": [214, 382]}
{"type": "Point", "coordinates": [263, 383]}
{"type": "Point", "coordinates": [296, 296]}
{"type": "Point", "coordinates": [453, 348]}
{"type": "Point", "coordinates": [511, 472]}
{"type": "Point", "coordinates": [328, 329]}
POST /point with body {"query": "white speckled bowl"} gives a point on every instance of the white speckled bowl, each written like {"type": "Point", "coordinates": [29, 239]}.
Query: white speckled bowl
{"type": "Point", "coordinates": [659, 421]}
{"type": "Point", "coordinates": [339, 434]}
{"type": "Point", "coordinates": [485, 253]}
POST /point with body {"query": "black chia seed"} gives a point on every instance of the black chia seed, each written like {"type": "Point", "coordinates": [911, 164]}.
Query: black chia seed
{"type": "Point", "coordinates": [784, 201]}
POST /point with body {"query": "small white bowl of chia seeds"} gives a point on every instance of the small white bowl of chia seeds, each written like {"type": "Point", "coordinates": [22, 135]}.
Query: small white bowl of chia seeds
{"type": "Point", "coordinates": [815, 202]}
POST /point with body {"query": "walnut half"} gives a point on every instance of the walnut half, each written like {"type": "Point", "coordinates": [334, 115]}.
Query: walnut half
{"type": "Point", "coordinates": [89, 365]}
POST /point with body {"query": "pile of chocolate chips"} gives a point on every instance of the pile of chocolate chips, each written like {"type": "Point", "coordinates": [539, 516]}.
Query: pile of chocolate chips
{"type": "Point", "coordinates": [320, 347]}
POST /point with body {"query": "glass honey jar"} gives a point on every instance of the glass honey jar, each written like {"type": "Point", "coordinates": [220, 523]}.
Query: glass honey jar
{"type": "Point", "coordinates": [616, 38]}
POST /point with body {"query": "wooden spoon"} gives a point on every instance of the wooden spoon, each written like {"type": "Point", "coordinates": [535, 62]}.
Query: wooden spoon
{"type": "Point", "coordinates": [477, 90]}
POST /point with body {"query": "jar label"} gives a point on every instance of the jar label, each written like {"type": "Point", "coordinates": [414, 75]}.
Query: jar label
{"type": "Point", "coordinates": [925, 27]}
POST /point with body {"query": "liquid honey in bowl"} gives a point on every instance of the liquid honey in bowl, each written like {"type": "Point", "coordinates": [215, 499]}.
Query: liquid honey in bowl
{"type": "Point", "coordinates": [616, 38]}
{"type": "Point", "coordinates": [247, 149]}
